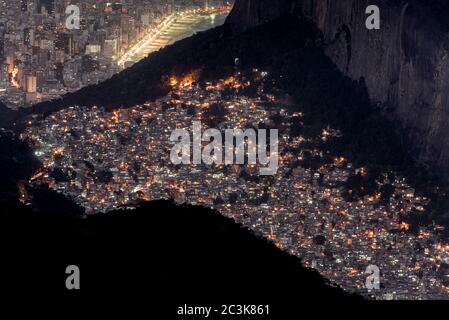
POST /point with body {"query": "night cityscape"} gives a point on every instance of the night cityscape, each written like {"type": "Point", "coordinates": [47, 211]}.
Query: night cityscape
{"type": "Point", "coordinates": [97, 97]}
{"type": "Point", "coordinates": [42, 59]}
{"type": "Point", "coordinates": [105, 160]}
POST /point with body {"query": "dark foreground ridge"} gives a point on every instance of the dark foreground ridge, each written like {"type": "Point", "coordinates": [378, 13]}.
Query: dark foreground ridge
{"type": "Point", "coordinates": [183, 254]}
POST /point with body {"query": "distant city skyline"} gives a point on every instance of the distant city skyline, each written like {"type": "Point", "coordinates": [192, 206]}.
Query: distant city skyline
{"type": "Point", "coordinates": [41, 58]}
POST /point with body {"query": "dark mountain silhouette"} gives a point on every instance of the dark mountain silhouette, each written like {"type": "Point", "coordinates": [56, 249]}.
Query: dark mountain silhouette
{"type": "Point", "coordinates": [182, 253]}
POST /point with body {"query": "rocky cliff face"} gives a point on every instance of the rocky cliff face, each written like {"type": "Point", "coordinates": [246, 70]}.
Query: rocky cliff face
{"type": "Point", "coordinates": [405, 64]}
